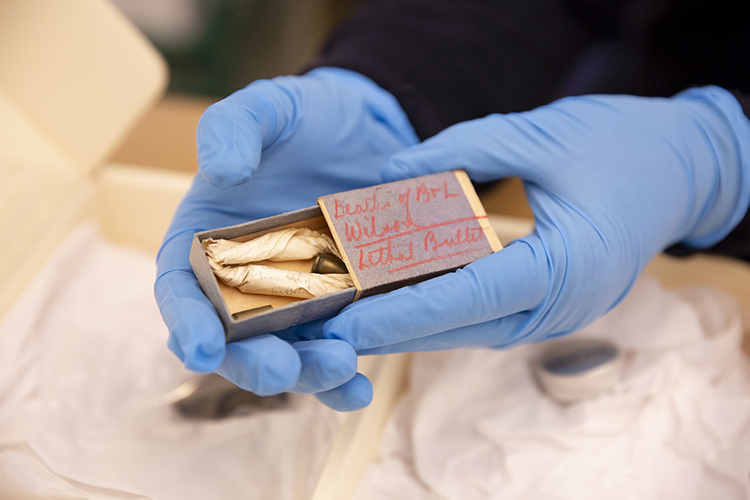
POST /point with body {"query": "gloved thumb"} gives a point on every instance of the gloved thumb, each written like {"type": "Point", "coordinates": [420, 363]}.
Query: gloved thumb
{"type": "Point", "coordinates": [233, 132]}
{"type": "Point", "coordinates": [524, 145]}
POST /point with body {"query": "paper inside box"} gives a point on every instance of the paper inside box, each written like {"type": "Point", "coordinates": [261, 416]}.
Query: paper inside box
{"type": "Point", "coordinates": [285, 311]}
{"type": "Point", "coordinates": [243, 303]}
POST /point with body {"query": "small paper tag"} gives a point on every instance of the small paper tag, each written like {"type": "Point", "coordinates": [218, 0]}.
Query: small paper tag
{"type": "Point", "coordinates": [404, 230]}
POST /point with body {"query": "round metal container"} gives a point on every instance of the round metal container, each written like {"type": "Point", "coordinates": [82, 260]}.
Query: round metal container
{"type": "Point", "coordinates": [576, 369]}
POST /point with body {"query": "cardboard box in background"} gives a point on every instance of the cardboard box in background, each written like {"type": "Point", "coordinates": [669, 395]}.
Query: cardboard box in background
{"type": "Point", "coordinates": [74, 76]}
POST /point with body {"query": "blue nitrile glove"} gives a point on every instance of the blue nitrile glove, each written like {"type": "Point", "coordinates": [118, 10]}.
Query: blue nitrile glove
{"type": "Point", "coordinates": [612, 181]}
{"type": "Point", "coordinates": [272, 147]}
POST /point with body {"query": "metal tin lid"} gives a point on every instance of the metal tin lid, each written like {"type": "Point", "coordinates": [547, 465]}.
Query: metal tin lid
{"type": "Point", "coordinates": [575, 369]}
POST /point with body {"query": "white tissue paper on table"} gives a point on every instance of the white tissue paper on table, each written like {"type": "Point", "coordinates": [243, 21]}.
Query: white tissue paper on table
{"type": "Point", "coordinates": [474, 424]}
{"type": "Point", "coordinates": [84, 370]}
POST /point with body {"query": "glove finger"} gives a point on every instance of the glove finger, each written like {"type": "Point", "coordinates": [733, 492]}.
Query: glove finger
{"type": "Point", "coordinates": [326, 364]}
{"type": "Point", "coordinates": [353, 395]}
{"type": "Point", "coordinates": [232, 132]}
{"type": "Point", "coordinates": [488, 149]}
{"type": "Point", "coordinates": [312, 330]}
{"type": "Point", "coordinates": [264, 365]}
{"type": "Point", "coordinates": [503, 332]}
{"type": "Point", "coordinates": [196, 334]}
{"type": "Point", "coordinates": [507, 282]}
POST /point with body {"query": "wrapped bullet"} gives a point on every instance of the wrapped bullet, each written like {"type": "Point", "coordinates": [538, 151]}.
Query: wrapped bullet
{"type": "Point", "coordinates": [232, 262]}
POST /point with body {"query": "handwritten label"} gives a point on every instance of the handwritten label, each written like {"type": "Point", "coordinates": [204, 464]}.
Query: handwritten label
{"type": "Point", "coordinates": [406, 229]}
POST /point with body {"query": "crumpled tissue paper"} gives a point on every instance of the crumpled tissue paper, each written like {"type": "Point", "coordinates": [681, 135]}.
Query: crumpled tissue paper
{"type": "Point", "coordinates": [84, 370]}
{"type": "Point", "coordinates": [475, 425]}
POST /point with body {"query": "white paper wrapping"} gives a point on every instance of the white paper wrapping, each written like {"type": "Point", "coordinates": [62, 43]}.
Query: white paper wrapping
{"type": "Point", "coordinates": [271, 281]}
{"type": "Point", "coordinates": [232, 261]}
{"type": "Point", "coordinates": [288, 244]}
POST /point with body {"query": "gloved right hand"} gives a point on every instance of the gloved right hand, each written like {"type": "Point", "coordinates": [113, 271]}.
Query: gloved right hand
{"type": "Point", "coordinates": [273, 147]}
{"type": "Point", "coordinates": [612, 181]}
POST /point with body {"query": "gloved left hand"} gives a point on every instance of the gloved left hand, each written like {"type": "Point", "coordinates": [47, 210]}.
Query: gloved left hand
{"type": "Point", "coordinates": [612, 181]}
{"type": "Point", "coordinates": [273, 147]}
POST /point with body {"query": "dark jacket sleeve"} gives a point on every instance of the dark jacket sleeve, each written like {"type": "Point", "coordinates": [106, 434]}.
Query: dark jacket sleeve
{"type": "Point", "coordinates": [448, 61]}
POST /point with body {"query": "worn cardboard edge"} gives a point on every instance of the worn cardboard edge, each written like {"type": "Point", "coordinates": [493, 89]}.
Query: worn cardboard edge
{"type": "Point", "coordinates": [296, 313]}
{"type": "Point", "coordinates": [207, 280]}
{"type": "Point", "coordinates": [337, 240]}
{"type": "Point", "coordinates": [409, 281]}
{"type": "Point", "coordinates": [260, 225]}
{"type": "Point", "coordinates": [276, 319]}
{"type": "Point", "coordinates": [478, 209]}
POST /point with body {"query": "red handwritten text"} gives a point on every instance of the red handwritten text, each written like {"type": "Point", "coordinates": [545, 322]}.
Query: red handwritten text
{"type": "Point", "coordinates": [371, 204]}
{"type": "Point", "coordinates": [384, 255]}
{"type": "Point", "coordinates": [377, 229]}
{"type": "Point", "coordinates": [463, 236]}
{"type": "Point", "coordinates": [427, 194]}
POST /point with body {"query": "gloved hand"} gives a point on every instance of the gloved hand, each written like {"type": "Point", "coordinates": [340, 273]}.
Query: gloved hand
{"type": "Point", "coordinates": [272, 147]}
{"type": "Point", "coordinates": [612, 181]}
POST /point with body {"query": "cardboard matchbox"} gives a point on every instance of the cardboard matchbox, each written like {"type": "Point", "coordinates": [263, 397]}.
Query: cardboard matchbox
{"type": "Point", "coordinates": [390, 235]}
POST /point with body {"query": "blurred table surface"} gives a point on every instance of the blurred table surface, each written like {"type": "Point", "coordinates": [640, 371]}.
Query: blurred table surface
{"type": "Point", "coordinates": [165, 138]}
